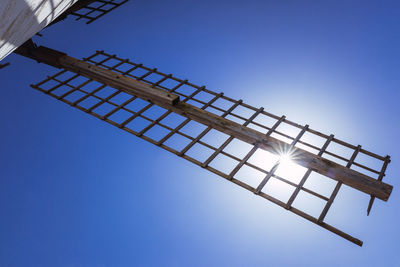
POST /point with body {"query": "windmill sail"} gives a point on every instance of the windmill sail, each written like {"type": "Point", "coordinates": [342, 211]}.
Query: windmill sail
{"type": "Point", "coordinates": [90, 10]}
{"type": "Point", "coordinates": [241, 143]}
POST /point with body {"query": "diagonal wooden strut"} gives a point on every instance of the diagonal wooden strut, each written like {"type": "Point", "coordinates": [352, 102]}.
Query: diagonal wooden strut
{"type": "Point", "coordinates": [169, 100]}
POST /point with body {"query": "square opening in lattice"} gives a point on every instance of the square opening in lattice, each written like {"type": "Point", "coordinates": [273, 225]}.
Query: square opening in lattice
{"type": "Point", "coordinates": [120, 116]}
{"type": "Point", "coordinates": [288, 129]}
{"type": "Point", "coordinates": [177, 142]}
{"type": "Point", "coordinates": [173, 120]}
{"type": "Point", "coordinates": [138, 105]}
{"type": "Point", "coordinates": [214, 138]}
{"type": "Point", "coordinates": [265, 120]}
{"type": "Point", "coordinates": [169, 84]}
{"type": "Point", "coordinates": [88, 102]}
{"type": "Point", "coordinates": [105, 92]}
{"type": "Point", "coordinates": [340, 150]}
{"type": "Point", "coordinates": [154, 112]}
{"type": "Point", "coordinates": [107, 7]}
{"type": "Point", "coordinates": [78, 81]}
{"type": "Point", "coordinates": [111, 62]}
{"type": "Point", "coordinates": [249, 176]}
{"type": "Point", "coordinates": [185, 90]}
{"type": "Point", "coordinates": [61, 90]}
{"type": "Point", "coordinates": [156, 132]}
{"type": "Point", "coordinates": [238, 148]}
{"type": "Point", "coordinates": [314, 140]}
{"type": "Point", "coordinates": [235, 119]}
{"type": "Point", "coordinates": [223, 103]}
{"type": "Point", "coordinates": [138, 124]}
{"type": "Point", "coordinates": [138, 72]}
{"type": "Point", "coordinates": [278, 189]}
{"type": "Point", "coordinates": [95, 4]}
{"type": "Point", "coordinates": [98, 58]}
{"type": "Point", "coordinates": [193, 103]}
{"type": "Point", "coordinates": [81, 11]}
{"type": "Point", "coordinates": [309, 204]}
{"type": "Point", "coordinates": [199, 152]}
{"type": "Point", "coordinates": [263, 159]}
{"type": "Point", "coordinates": [153, 78]}
{"type": "Point", "coordinates": [203, 96]}
{"type": "Point", "coordinates": [193, 129]}
{"type": "Point", "coordinates": [92, 86]}
{"type": "Point", "coordinates": [223, 164]}
{"type": "Point", "coordinates": [290, 171]}
{"type": "Point", "coordinates": [368, 161]}
{"type": "Point", "coordinates": [124, 68]}
{"type": "Point", "coordinates": [74, 96]}
{"type": "Point", "coordinates": [320, 184]}
{"type": "Point", "coordinates": [103, 109]}
{"type": "Point", "coordinates": [120, 98]}
{"type": "Point", "coordinates": [214, 111]}
{"type": "Point", "coordinates": [49, 85]}
{"type": "Point", "coordinates": [243, 112]}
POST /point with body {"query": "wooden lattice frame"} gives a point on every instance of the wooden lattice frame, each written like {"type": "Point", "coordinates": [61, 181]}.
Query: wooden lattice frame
{"type": "Point", "coordinates": [90, 10]}
{"type": "Point", "coordinates": [169, 130]}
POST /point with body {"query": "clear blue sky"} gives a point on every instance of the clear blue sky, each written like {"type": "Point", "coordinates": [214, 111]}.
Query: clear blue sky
{"type": "Point", "coordinates": [75, 191]}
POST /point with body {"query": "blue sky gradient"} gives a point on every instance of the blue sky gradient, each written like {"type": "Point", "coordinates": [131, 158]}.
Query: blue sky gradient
{"type": "Point", "coordinates": [75, 191]}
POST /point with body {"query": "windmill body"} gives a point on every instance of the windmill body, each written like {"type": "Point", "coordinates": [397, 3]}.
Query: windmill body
{"type": "Point", "coordinates": [22, 19]}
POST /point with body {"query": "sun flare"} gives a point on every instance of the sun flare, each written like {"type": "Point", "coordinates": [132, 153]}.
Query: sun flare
{"type": "Point", "coordinates": [289, 169]}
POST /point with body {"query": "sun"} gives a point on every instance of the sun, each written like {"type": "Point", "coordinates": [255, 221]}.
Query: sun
{"type": "Point", "coordinates": [285, 158]}
{"type": "Point", "coordinates": [288, 169]}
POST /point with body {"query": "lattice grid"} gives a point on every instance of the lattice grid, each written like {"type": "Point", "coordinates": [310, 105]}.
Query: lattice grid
{"type": "Point", "coordinates": [97, 9]}
{"type": "Point", "coordinates": [241, 163]}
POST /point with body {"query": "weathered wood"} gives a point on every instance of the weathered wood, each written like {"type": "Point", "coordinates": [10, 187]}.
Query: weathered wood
{"type": "Point", "coordinates": [381, 175]}
{"type": "Point", "coordinates": [119, 81]}
{"type": "Point", "coordinates": [169, 101]}
{"type": "Point", "coordinates": [304, 158]}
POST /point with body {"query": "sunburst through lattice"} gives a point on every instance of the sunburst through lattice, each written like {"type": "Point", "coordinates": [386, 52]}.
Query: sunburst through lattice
{"type": "Point", "coordinates": [280, 181]}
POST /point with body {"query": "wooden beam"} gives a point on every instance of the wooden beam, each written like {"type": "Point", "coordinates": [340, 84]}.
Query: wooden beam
{"type": "Point", "coordinates": [304, 158]}
{"type": "Point", "coordinates": [171, 102]}
{"type": "Point", "coordinates": [118, 81]}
